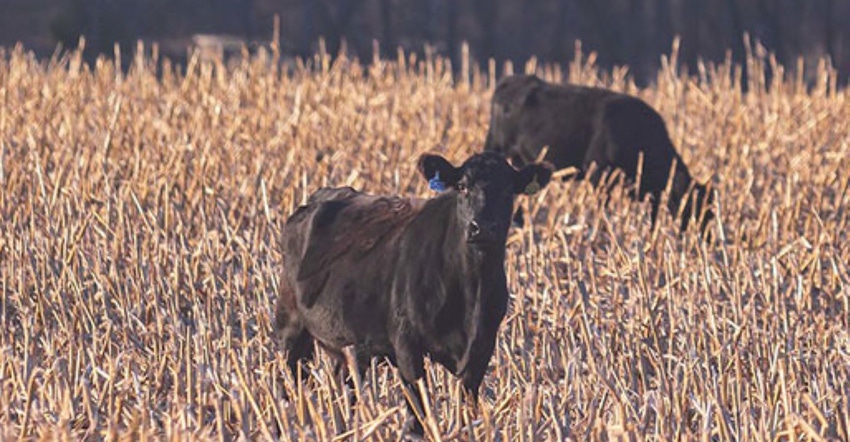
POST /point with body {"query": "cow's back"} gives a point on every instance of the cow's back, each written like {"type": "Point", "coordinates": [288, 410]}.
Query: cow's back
{"type": "Point", "coordinates": [580, 124]}
{"type": "Point", "coordinates": [528, 114]}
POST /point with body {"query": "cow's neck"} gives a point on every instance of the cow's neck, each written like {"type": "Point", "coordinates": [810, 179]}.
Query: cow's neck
{"type": "Point", "coordinates": [438, 222]}
{"type": "Point", "coordinates": [484, 285]}
{"type": "Point", "coordinates": [471, 279]}
{"type": "Point", "coordinates": [481, 264]}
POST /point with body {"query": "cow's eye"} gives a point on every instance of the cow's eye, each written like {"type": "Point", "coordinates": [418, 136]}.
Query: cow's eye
{"type": "Point", "coordinates": [461, 188]}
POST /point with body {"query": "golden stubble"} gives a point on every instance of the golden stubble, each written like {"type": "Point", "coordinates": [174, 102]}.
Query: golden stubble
{"type": "Point", "coordinates": [139, 263]}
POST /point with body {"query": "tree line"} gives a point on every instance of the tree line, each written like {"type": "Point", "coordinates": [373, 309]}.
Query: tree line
{"type": "Point", "coordinates": [623, 32]}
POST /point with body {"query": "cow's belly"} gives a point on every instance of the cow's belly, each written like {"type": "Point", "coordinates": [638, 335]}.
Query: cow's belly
{"type": "Point", "coordinates": [327, 326]}
{"type": "Point", "coordinates": [340, 321]}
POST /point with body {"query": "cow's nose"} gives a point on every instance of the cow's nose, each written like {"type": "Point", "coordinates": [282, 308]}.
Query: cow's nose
{"type": "Point", "coordinates": [479, 233]}
{"type": "Point", "coordinates": [474, 229]}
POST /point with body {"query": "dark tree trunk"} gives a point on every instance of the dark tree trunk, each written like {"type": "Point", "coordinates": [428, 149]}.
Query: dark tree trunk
{"type": "Point", "coordinates": [386, 27]}
{"type": "Point", "coordinates": [663, 27]}
{"type": "Point", "coordinates": [596, 11]}
{"type": "Point", "coordinates": [635, 26]}
{"type": "Point", "coordinates": [308, 27]}
{"type": "Point", "coordinates": [451, 37]}
{"type": "Point", "coordinates": [772, 11]}
{"type": "Point", "coordinates": [829, 31]}
{"type": "Point", "coordinates": [342, 22]}
{"type": "Point", "coordinates": [427, 11]}
{"type": "Point", "coordinates": [335, 26]}
{"type": "Point", "coordinates": [247, 13]}
{"type": "Point", "coordinates": [92, 24]}
{"type": "Point", "coordinates": [560, 47]}
{"type": "Point", "coordinates": [487, 12]}
{"type": "Point", "coordinates": [738, 29]}
{"type": "Point", "coordinates": [693, 15]}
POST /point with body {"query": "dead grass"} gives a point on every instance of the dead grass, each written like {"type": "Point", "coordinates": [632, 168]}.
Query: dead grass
{"type": "Point", "coordinates": [138, 262]}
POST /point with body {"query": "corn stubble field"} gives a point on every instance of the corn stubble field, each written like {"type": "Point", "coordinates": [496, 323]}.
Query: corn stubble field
{"type": "Point", "coordinates": [139, 261]}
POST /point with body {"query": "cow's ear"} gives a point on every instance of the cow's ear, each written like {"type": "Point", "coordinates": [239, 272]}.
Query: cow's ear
{"type": "Point", "coordinates": [530, 179]}
{"type": "Point", "coordinates": [438, 171]}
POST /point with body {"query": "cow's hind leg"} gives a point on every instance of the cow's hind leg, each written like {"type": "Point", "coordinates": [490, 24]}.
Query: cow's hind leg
{"type": "Point", "coordinates": [300, 351]}
{"type": "Point", "coordinates": [655, 204]}
{"type": "Point", "coordinates": [343, 373]}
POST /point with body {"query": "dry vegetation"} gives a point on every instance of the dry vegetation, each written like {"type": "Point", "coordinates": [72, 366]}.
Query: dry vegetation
{"type": "Point", "coordinates": [138, 261]}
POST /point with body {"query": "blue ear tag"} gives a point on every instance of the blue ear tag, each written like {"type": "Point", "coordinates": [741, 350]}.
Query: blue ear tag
{"type": "Point", "coordinates": [436, 184]}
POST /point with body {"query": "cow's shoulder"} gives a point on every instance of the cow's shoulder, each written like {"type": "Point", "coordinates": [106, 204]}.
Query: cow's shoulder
{"type": "Point", "coordinates": [529, 97]}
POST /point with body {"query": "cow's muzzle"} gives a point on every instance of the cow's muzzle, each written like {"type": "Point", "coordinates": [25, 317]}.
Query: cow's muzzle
{"type": "Point", "coordinates": [481, 234]}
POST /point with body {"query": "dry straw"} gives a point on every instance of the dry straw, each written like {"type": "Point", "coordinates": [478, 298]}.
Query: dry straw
{"type": "Point", "coordinates": [138, 262]}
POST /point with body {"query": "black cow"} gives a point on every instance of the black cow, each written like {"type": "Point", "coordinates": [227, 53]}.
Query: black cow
{"type": "Point", "coordinates": [401, 278]}
{"type": "Point", "coordinates": [585, 125]}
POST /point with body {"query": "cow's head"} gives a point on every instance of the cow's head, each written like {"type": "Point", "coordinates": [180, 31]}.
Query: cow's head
{"type": "Point", "coordinates": [485, 186]}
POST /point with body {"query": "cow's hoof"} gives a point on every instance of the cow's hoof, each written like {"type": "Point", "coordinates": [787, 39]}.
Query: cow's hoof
{"type": "Point", "coordinates": [413, 430]}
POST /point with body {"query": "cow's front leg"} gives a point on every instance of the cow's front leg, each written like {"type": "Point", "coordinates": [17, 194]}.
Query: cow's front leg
{"type": "Point", "coordinates": [473, 375]}
{"type": "Point", "coordinates": [472, 379]}
{"type": "Point", "coordinates": [410, 362]}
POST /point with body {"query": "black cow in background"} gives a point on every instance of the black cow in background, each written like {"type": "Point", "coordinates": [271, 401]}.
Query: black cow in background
{"type": "Point", "coordinates": [585, 125]}
{"type": "Point", "coordinates": [402, 278]}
